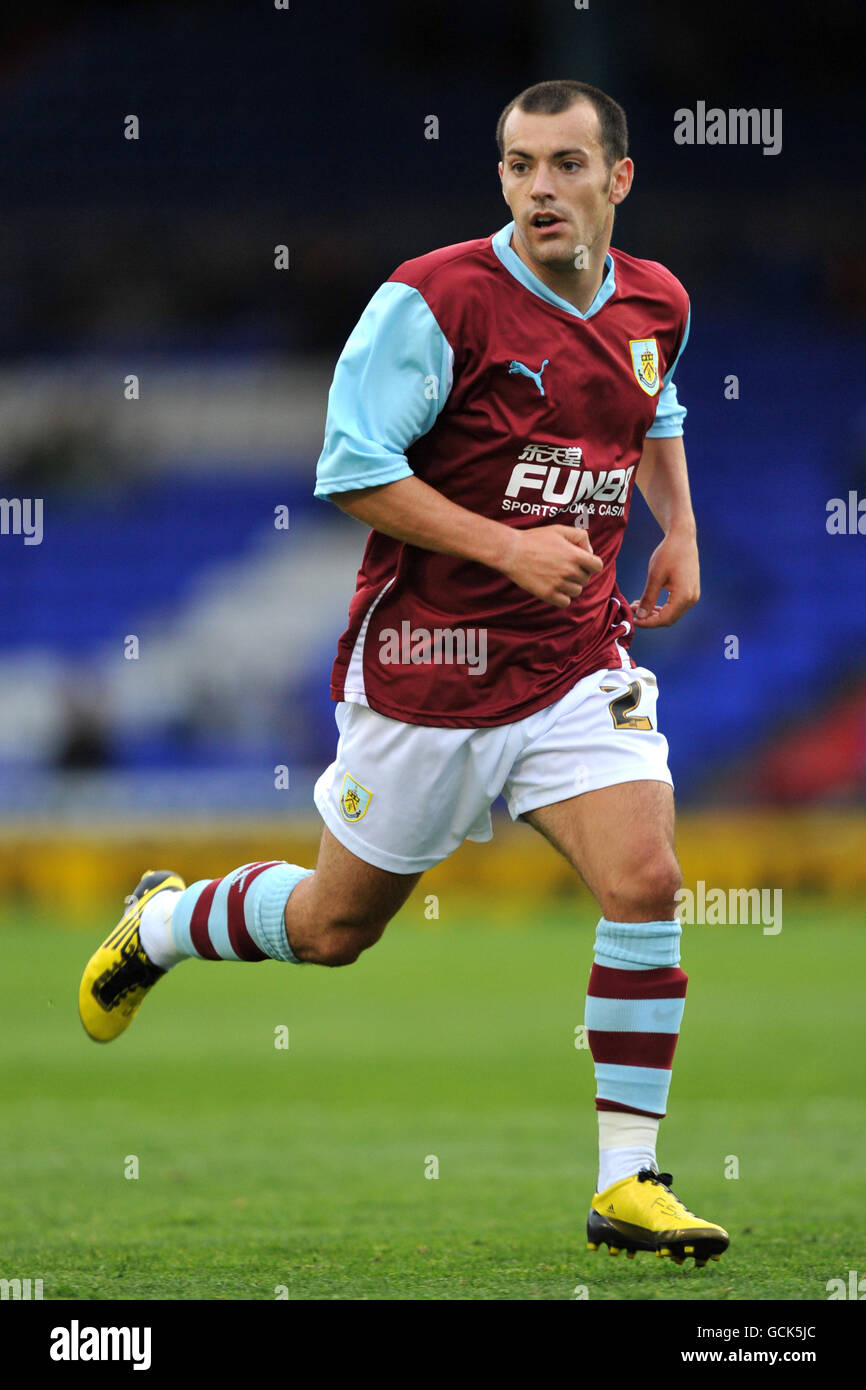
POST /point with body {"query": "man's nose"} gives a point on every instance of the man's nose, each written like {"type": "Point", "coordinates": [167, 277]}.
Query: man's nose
{"type": "Point", "coordinates": [542, 184]}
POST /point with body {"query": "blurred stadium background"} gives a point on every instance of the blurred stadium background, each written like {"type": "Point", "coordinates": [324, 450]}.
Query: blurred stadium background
{"type": "Point", "coordinates": [154, 258]}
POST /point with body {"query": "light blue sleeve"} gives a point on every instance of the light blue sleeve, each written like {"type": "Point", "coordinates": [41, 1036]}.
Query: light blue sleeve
{"type": "Point", "coordinates": [669, 413]}
{"type": "Point", "coordinates": [391, 381]}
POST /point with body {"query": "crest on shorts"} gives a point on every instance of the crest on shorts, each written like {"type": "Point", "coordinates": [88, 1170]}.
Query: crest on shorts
{"type": "Point", "coordinates": [354, 799]}
{"type": "Point", "coordinates": [645, 363]}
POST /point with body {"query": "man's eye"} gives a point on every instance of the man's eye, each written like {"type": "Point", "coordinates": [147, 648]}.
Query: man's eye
{"type": "Point", "coordinates": [571, 164]}
{"type": "Point", "coordinates": [518, 167]}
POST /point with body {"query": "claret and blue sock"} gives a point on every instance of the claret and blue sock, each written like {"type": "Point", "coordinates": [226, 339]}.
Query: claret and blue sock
{"type": "Point", "coordinates": [238, 917]}
{"type": "Point", "coordinates": [634, 1009]}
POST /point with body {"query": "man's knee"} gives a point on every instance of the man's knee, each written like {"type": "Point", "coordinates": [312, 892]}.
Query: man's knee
{"type": "Point", "coordinates": [343, 947]}
{"type": "Point", "coordinates": [646, 892]}
{"type": "Point", "coordinates": [340, 940]}
{"type": "Point", "coordinates": [343, 907]}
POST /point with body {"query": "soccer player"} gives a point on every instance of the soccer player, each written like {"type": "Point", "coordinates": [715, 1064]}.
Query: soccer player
{"type": "Point", "coordinates": [489, 418]}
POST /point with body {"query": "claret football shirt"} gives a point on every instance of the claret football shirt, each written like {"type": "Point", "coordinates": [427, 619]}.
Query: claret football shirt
{"type": "Point", "coordinates": [468, 372]}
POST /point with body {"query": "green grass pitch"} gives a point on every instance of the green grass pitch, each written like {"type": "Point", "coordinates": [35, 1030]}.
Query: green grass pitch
{"type": "Point", "coordinates": [264, 1169]}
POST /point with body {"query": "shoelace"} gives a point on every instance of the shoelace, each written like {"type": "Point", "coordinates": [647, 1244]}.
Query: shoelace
{"type": "Point", "coordinates": [660, 1179]}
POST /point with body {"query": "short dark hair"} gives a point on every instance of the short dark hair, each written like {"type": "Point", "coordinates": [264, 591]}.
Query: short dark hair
{"type": "Point", "coordinates": [551, 98]}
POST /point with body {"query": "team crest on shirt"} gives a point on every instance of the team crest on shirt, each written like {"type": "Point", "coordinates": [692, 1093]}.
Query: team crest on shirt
{"type": "Point", "coordinates": [645, 363]}
{"type": "Point", "coordinates": [354, 800]}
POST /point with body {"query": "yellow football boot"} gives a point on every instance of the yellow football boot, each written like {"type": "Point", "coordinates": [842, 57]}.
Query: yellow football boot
{"type": "Point", "coordinates": [118, 976]}
{"type": "Point", "coordinates": [642, 1213]}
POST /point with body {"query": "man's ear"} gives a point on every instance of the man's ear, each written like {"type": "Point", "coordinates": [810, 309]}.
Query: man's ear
{"type": "Point", "coordinates": [501, 172]}
{"type": "Point", "coordinates": [621, 180]}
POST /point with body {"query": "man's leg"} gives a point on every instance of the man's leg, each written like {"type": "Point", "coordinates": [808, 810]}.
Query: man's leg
{"type": "Point", "coordinates": [620, 839]}
{"type": "Point", "coordinates": [344, 907]}
{"type": "Point", "coordinates": [326, 916]}
{"type": "Point", "coordinates": [397, 800]}
{"type": "Point", "coordinates": [272, 909]}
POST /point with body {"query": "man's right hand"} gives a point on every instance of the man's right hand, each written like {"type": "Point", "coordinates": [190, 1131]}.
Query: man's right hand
{"type": "Point", "coordinates": [551, 562]}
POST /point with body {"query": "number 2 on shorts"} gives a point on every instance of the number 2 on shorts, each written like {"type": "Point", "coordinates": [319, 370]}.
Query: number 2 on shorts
{"type": "Point", "coordinates": [623, 707]}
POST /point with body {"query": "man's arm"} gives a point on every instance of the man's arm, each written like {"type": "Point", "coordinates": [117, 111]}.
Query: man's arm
{"type": "Point", "coordinates": [551, 562]}
{"type": "Point", "coordinates": [663, 479]}
{"type": "Point", "coordinates": [392, 379]}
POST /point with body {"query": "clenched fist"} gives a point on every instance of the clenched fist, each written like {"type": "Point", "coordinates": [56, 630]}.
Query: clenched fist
{"type": "Point", "coordinates": [551, 562]}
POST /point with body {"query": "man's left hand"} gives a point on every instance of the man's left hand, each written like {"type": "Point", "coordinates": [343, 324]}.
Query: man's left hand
{"type": "Point", "coordinates": [674, 566]}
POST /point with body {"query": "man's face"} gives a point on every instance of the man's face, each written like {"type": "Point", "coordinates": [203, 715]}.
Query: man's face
{"type": "Point", "coordinates": [554, 171]}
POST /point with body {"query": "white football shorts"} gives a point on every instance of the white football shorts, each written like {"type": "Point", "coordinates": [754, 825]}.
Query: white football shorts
{"type": "Point", "coordinates": [405, 796]}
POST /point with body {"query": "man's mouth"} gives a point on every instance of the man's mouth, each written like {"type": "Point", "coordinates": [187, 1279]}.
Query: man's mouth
{"type": "Point", "coordinates": [546, 221]}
